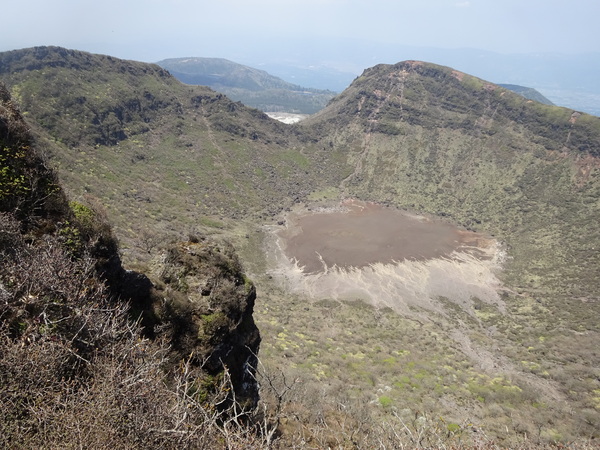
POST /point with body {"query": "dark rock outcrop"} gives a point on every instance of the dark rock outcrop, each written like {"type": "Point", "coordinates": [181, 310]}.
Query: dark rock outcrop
{"type": "Point", "coordinates": [207, 303]}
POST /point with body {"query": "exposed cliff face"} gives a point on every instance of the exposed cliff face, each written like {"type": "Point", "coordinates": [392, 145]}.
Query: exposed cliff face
{"type": "Point", "coordinates": [209, 304]}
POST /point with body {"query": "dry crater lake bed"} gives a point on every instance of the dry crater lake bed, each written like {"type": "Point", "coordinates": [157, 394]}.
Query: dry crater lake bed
{"type": "Point", "coordinates": [388, 257]}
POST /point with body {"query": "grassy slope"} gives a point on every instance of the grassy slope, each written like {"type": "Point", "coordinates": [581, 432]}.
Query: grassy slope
{"type": "Point", "coordinates": [160, 155]}
{"type": "Point", "coordinates": [421, 138]}
{"type": "Point", "coordinates": [416, 136]}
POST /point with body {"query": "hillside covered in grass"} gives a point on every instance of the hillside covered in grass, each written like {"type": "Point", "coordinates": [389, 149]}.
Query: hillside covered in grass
{"type": "Point", "coordinates": [163, 156]}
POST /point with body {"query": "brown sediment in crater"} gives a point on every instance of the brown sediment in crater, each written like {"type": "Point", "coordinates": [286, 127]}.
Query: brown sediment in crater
{"type": "Point", "coordinates": [385, 257]}
{"type": "Point", "coordinates": [359, 234]}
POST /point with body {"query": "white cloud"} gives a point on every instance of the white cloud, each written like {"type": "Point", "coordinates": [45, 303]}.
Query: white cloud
{"type": "Point", "coordinates": [462, 4]}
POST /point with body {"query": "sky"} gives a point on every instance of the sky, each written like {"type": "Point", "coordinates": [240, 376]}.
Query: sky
{"type": "Point", "coordinates": [151, 30]}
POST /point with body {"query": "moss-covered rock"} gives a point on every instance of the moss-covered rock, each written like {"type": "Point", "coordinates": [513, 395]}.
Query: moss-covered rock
{"type": "Point", "coordinates": [209, 302]}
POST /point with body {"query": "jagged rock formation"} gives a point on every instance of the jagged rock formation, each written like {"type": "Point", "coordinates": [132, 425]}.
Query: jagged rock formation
{"type": "Point", "coordinates": [210, 308]}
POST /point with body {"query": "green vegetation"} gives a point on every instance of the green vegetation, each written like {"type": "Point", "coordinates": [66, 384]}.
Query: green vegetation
{"type": "Point", "coordinates": [84, 214]}
{"type": "Point", "coordinates": [12, 180]}
{"type": "Point", "coordinates": [203, 154]}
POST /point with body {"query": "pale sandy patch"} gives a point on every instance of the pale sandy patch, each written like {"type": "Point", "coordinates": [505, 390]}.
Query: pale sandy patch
{"type": "Point", "coordinates": [288, 118]}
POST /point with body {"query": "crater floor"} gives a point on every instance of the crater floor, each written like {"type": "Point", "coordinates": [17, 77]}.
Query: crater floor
{"type": "Point", "coordinates": [387, 257]}
{"type": "Point", "coordinates": [358, 234]}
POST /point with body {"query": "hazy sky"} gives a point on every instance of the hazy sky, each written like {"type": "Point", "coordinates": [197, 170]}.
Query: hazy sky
{"type": "Point", "coordinates": [151, 30]}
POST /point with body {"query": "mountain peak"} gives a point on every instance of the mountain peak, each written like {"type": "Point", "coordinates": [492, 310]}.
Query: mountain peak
{"type": "Point", "coordinates": [432, 96]}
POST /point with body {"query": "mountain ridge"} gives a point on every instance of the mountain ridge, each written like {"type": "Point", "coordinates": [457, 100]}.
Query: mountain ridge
{"type": "Point", "coordinates": [527, 92]}
{"type": "Point", "coordinates": [107, 112]}
{"type": "Point", "coordinates": [404, 103]}
{"type": "Point", "coordinates": [221, 71]}
{"type": "Point", "coordinates": [567, 79]}
{"type": "Point", "coordinates": [253, 87]}
{"type": "Point", "coordinates": [469, 110]}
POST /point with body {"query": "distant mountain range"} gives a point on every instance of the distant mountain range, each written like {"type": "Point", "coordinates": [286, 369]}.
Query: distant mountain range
{"type": "Point", "coordinates": [259, 89]}
{"type": "Point", "coordinates": [253, 87]}
{"type": "Point", "coordinates": [569, 80]}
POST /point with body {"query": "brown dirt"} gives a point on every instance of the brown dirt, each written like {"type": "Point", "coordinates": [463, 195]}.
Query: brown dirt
{"type": "Point", "coordinates": [361, 234]}
{"type": "Point", "coordinates": [386, 257]}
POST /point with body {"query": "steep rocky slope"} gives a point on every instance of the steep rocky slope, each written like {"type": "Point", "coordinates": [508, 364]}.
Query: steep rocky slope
{"type": "Point", "coordinates": [84, 342]}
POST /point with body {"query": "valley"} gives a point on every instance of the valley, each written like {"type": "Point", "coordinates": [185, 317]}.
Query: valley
{"type": "Point", "coordinates": [253, 87]}
{"type": "Point", "coordinates": [288, 118]}
{"type": "Point", "coordinates": [454, 301]}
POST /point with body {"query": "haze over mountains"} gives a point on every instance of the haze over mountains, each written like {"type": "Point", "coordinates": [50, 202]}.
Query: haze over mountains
{"type": "Point", "coordinates": [255, 88]}
{"type": "Point", "coordinates": [547, 45]}
{"type": "Point", "coordinates": [442, 361]}
{"type": "Point", "coordinates": [567, 80]}
{"type": "Point", "coordinates": [258, 89]}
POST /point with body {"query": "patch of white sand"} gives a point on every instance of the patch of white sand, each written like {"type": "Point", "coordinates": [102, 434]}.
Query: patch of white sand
{"type": "Point", "coordinates": [288, 118]}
